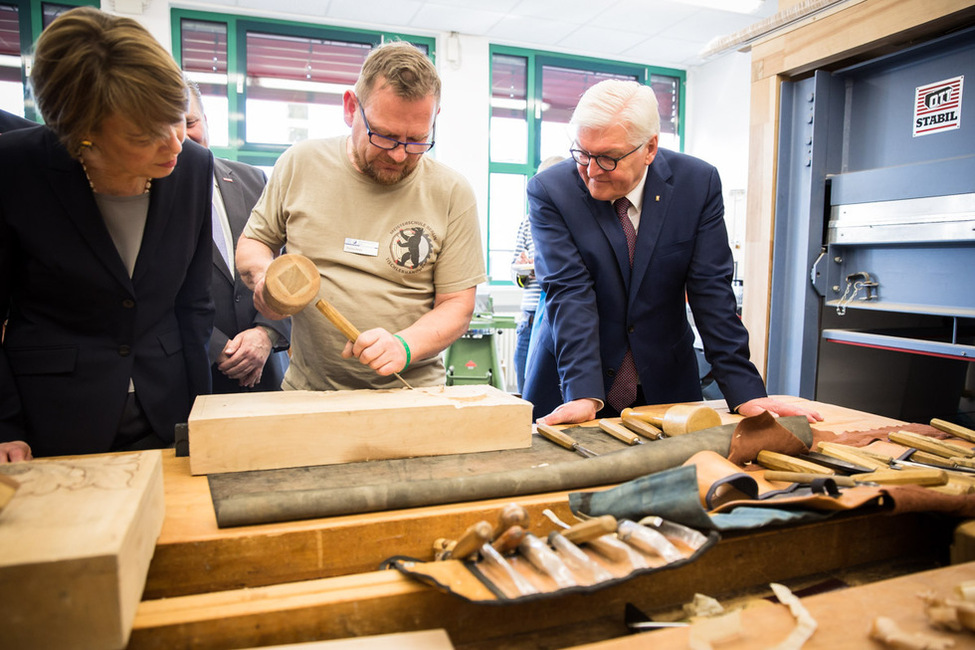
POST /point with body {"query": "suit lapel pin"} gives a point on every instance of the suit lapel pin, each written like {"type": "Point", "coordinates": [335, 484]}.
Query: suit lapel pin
{"type": "Point", "coordinates": [230, 180]}
{"type": "Point", "coordinates": [658, 197]}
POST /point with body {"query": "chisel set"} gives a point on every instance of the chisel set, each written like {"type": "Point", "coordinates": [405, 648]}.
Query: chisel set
{"type": "Point", "coordinates": [514, 559]}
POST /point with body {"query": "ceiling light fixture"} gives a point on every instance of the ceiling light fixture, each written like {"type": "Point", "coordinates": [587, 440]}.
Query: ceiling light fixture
{"type": "Point", "coordinates": [736, 6]}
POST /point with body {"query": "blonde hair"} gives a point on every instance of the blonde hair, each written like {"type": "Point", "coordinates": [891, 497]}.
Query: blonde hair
{"type": "Point", "coordinates": [89, 64]}
{"type": "Point", "coordinates": [614, 101]}
{"type": "Point", "coordinates": [403, 68]}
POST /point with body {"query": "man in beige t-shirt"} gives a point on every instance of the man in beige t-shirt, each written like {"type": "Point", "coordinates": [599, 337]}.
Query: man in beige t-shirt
{"type": "Point", "coordinates": [393, 233]}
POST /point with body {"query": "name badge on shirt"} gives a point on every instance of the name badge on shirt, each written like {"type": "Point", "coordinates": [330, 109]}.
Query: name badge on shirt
{"type": "Point", "coordinates": [361, 247]}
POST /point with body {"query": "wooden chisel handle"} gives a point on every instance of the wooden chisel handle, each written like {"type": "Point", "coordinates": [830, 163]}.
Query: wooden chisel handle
{"type": "Point", "coordinates": [782, 462]}
{"type": "Point", "coordinates": [348, 329]}
{"type": "Point", "coordinates": [924, 477]}
{"type": "Point", "coordinates": [931, 445]}
{"type": "Point", "coordinates": [806, 478]}
{"type": "Point", "coordinates": [509, 540]}
{"type": "Point", "coordinates": [590, 529]}
{"type": "Point", "coordinates": [645, 429]}
{"type": "Point", "coordinates": [341, 322]}
{"type": "Point", "coordinates": [472, 539]}
{"type": "Point", "coordinates": [619, 432]}
{"type": "Point", "coordinates": [556, 436]}
{"type": "Point", "coordinates": [954, 429]}
{"type": "Point", "coordinates": [854, 455]}
{"type": "Point", "coordinates": [511, 515]}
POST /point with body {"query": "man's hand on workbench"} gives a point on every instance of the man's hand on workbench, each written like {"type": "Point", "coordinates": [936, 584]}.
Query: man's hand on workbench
{"type": "Point", "coordinates": [579, 410]}
{"type": "Point", "coordinates": [776, 408]}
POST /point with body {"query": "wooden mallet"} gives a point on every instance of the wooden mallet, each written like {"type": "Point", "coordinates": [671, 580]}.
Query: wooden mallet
{"type": "Point", "coordinates": [291, 283]}
{"type": "Point", "coordinates": [679, 419]}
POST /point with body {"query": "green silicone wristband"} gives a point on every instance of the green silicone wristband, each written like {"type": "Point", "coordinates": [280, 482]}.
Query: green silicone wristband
{"type": "Point", "coordinates": [407, 348]}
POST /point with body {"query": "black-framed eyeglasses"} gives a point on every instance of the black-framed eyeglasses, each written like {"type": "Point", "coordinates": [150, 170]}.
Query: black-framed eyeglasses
{"type": "Point", "coordinates": [606, 163]}
{"type": "Point", "coordinates": [387, 143]}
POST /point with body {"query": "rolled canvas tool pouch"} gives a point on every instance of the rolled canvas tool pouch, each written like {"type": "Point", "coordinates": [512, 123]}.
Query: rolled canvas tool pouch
{"type": "Point", "coordinates": [247, 498]}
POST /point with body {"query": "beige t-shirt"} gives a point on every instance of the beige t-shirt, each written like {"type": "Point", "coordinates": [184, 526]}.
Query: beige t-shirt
{"type": "Point", "coordinates": [383, 252]}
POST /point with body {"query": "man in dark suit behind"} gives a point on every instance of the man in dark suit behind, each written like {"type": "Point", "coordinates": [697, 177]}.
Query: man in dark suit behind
{"type": "Point", "coordinates": [11, 122]}
{"type": "Point", "coordinates": [624, 233]}
{"type": "Point", "coordinates": [247, 350]}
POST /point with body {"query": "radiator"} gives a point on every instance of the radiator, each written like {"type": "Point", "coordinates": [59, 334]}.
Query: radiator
{"type": "Point", "coordinates": [506, 357]}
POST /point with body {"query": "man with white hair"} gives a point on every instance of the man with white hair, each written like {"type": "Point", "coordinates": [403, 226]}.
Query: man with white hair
{"type": "Point", "coordinates": [624, 233]}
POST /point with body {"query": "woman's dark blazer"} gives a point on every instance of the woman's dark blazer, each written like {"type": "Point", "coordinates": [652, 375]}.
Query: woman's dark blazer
{"type": "Point", "coordinates": [78, 327]}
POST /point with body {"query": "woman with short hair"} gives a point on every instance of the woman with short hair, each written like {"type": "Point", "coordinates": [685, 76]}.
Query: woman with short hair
{"type": "Point", "coordinates": [105, 248]}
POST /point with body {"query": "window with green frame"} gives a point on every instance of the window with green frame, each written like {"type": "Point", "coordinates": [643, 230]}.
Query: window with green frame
{"type": "Point", "coordinates": [267, 84]}
{"type": "Point", "coordinates": [533, 95]}
{"type": "Point", "coordinates": [21, 22]}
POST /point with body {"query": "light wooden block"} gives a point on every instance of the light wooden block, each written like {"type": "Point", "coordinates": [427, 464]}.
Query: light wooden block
{"type": "Point", "coordinates": [273, 430]}
{"type": "Point", "coordinates": [75, 546]}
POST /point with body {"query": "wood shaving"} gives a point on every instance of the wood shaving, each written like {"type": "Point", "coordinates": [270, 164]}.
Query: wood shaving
{"type": "Point", "coordinates": [886, 631]}
{"type": "Point", "coordinates": [805, 623]}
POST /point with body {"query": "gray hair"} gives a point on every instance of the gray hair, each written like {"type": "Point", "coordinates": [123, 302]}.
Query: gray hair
{"type": "Point", "coordinates": [614, 101]}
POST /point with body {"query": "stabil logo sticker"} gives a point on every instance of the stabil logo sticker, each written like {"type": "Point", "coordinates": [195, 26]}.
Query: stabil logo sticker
{"type": "Point", "coordinates": [937, 106]}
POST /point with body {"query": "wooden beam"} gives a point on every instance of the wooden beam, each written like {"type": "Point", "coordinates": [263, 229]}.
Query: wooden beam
{"type": "Point", "coordinates": [385, 601]}
{"type": "Point", "coordinates": [298, 428]}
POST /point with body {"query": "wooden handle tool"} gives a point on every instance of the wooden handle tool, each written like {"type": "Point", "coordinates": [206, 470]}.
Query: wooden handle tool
{"type": "Point", "coordinates": [679, 418]}
{"type": "Point", "coordinates": [291, 282]}
{"type": "Point", "coordinates": [563, 440]}
{"type": "Point", "coordinates": [590, 529]}
{"type": "Point", "coordinates": [924, 477]}
{"type": "Point", "coordinates": [854, 455]}
{"type": "Point", "coordinates": [782, 462]}
{"type": "Point", "coordinates": [511, 515]}
{"type": "Point", "coordinates": [931, 445]}
{"type": "Point", "coordinates": [620, 432]}
{"type": "Point", "coordinates": [472, 539]}
{"type": "Point", "coordinates": [954, 429]}
{"type": "Point", "coordinates": [348, 329]}
{"type": "Point", "coordinates": [637, 425]}
{"type": "Point", "coordinates": [806, 478]}
{"type": "Point", "coordinates": [509, 540]}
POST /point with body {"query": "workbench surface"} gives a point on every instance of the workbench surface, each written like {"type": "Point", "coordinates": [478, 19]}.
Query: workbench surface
{"type": "Point", "coordinates": [193, 555]}
{"type": "Point", "coordinates": [317, 579]}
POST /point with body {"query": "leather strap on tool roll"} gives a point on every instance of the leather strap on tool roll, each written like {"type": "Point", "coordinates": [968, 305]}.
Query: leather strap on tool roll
{"type": "Point", "coordinates": [720, 481]}
{"type": "Point", "coordinates": [615, 467]}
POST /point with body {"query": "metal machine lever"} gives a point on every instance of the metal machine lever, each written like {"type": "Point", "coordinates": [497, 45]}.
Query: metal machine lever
{"type": "Point", "coordinates": [856, 282]}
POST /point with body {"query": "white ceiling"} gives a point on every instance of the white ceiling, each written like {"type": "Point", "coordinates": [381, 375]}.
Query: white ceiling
{"type": "Point", "coordinates": [651, 32]}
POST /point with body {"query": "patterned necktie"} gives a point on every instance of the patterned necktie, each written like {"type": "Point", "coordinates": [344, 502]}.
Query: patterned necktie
{"type": "Point", "coordinates": [623, 391]}
{"type": "Point", "coordinates": [218, 237]}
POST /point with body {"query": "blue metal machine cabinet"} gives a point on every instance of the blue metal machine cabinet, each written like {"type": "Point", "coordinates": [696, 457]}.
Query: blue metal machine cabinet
{"type": "Point", "coordinates": [873, 303]}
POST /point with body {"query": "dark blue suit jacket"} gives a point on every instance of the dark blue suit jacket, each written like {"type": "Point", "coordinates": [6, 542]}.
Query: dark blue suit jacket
{"type": "Point", "coordinates": [78, 326]}
{"type": "Point", "coordinates": [240, 186]}
{"type": "Point", "coordinates": [595, 305]}
{"type": "Point", "coordinates": [11, 122]}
